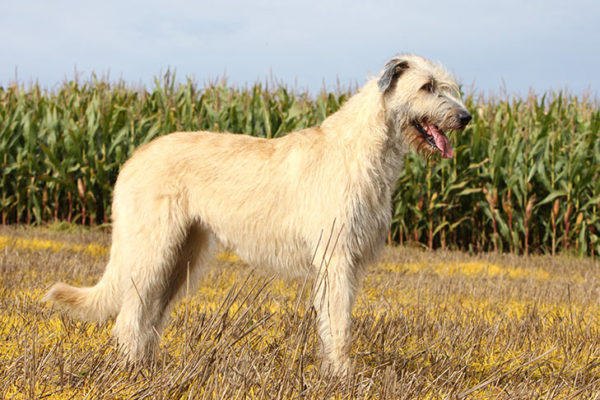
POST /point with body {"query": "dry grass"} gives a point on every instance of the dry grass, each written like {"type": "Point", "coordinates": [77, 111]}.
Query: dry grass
{"type": "Point", "coordinates": [428, 325]}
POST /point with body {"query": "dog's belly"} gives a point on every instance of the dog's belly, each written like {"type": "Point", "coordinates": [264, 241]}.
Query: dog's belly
{"type": "Point", "coordinates": [287, 256]}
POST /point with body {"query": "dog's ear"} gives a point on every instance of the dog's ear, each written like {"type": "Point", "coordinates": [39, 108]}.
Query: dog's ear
{"type": "Point", "coordinates": [392, 70]}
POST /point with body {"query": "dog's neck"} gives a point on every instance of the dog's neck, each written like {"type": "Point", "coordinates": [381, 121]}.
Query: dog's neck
{"type": "Point", "coordinates": [368, 142]}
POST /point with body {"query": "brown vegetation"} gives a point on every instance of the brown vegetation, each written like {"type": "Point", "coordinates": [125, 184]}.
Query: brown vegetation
{"type": "Point", "coordinates": [427, 325]}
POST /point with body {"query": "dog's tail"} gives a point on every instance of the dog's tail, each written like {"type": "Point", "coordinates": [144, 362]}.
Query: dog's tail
{"type": "Point", "coordinates": [95, 303]}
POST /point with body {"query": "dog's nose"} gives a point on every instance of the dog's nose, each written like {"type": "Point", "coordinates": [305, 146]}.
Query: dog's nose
{"type": "Point", "coordinates": [464, 118]}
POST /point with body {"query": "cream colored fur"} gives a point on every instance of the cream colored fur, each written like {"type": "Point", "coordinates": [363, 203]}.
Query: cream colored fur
{"type": "Point", "coordinates": [274, 202]}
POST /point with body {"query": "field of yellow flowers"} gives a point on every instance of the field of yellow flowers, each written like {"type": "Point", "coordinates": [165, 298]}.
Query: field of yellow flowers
{"type": "Point", "coordinates": [427, 325]}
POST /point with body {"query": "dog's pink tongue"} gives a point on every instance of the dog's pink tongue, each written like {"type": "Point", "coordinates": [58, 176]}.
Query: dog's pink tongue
{"type": "Point", "coordinates": [441, 141]}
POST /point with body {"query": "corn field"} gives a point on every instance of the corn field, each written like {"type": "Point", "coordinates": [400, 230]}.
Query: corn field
{"type": "Point", "coordinates": [525, 177]}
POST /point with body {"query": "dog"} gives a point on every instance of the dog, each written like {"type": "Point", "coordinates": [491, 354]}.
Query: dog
{"type": "Point", "coordinates": [270, 201]}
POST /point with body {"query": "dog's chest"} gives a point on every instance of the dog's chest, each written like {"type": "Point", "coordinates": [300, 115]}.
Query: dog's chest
{"type": "Point", "coordinates": [370, 217]}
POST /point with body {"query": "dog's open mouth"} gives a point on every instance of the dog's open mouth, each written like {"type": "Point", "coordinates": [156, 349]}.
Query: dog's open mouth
{"type": "Point", "coordinates": [434, 137]}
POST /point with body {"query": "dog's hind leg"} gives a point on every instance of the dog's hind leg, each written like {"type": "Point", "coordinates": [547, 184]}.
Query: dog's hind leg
{"type": "Point", "coordinates": [160, 263]}
{"type": "Point", "coordinates": [194, 256]}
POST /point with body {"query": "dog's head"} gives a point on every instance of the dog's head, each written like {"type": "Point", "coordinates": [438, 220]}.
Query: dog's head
{"type": "Point", "coordinates": [422, 103]}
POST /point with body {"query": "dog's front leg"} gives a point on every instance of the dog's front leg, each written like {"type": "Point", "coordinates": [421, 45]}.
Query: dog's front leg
{"type": "Point", "coordinates": [334, 298]}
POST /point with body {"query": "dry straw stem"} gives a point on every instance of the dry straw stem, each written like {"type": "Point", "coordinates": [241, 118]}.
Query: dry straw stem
{"type": "Point", "coordinates": [427, 325]}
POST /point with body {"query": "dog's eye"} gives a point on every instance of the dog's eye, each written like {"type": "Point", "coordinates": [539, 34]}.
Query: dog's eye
{"type": "Point", "coordinates": [428, 87]}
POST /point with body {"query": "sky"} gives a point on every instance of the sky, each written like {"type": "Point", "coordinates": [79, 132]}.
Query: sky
{"type": "Point", "coordinates": [490, 46]}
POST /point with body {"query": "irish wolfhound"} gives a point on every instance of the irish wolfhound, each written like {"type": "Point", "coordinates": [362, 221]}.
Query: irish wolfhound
{"type": "Point", "coordinates": [269, 201]}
